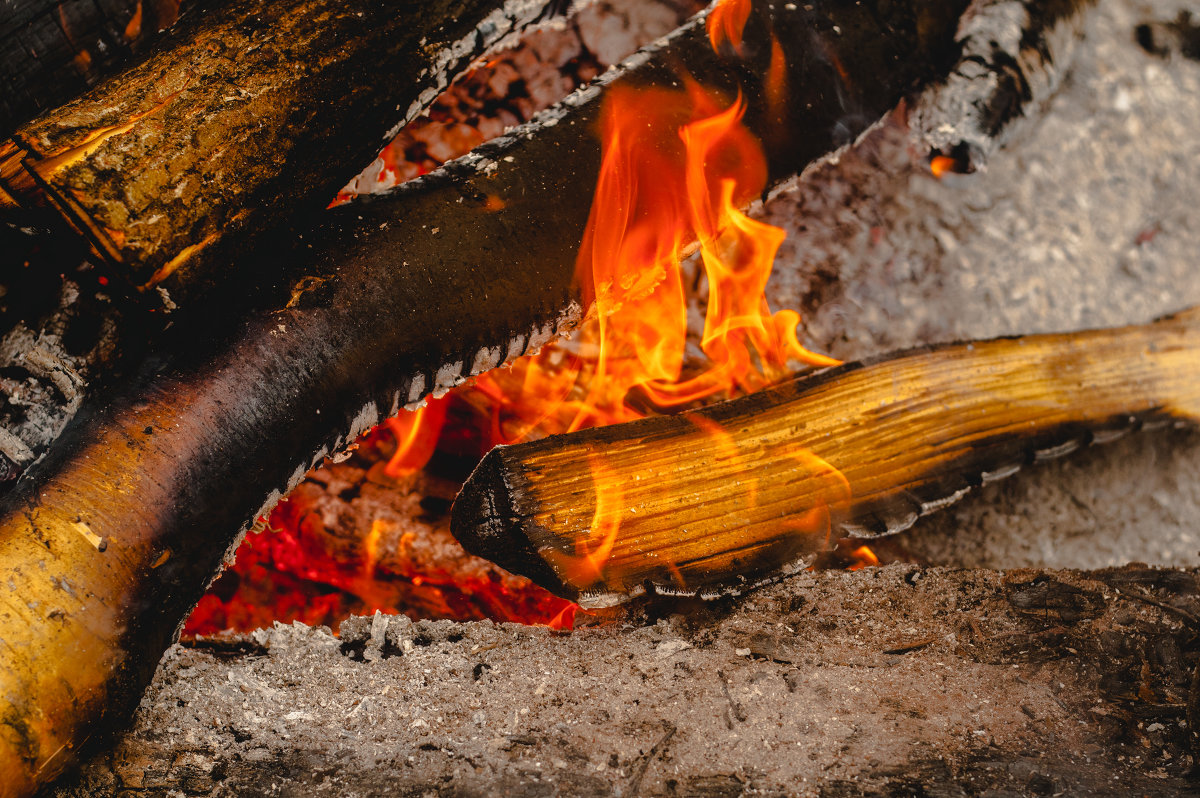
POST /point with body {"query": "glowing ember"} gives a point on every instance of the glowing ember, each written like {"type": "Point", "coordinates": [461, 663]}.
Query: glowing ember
{"type": "Point", "coordinates": [942, 165]}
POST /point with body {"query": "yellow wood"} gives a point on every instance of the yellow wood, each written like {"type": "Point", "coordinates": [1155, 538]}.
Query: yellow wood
{"type": "Point", "coordinates": [727, 495]}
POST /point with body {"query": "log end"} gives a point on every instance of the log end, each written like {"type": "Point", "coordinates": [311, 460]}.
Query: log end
{"type": "Point", "coordinates": [488, 524]}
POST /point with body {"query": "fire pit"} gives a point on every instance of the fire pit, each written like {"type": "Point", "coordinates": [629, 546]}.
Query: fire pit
{"type": "Point", "coordinates": [821, 683]}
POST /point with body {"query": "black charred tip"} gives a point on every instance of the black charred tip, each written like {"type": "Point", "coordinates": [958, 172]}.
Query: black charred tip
{"type": "Point", "coordinates": [485, 518]}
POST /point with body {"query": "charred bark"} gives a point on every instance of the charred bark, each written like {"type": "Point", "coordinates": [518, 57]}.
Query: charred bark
{"type": "Point", "coordinates": [254, 114]}
{"type": "Point", "coordinates": [712, 500]}
{"type": "Point", "coordinates": [1014, 56]}
{"type": "Point", "coordinates": [50, 52]}
{"type": "Point", "coordinates": [402, 295]}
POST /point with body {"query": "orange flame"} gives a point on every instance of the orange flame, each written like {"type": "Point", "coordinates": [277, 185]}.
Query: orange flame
{"type": "Point", "coordinates": [676, 167]}
{"type": "Point", "coordinates": [585, 567]}
{"type": "Point", "coordinates": [726, 22]}
{"type": "Point", "coordinates": [863, 558]}
{"type": "Point", "coordinates": [416, 434]}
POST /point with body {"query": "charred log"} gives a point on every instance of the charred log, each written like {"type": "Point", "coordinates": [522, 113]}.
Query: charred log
{"type": "Point", "coordinates": [710, 501]}
{"type": "Point", "coordinates": [255, 114]}
{"type": "Point", "coordinates": [1014, 56]}
{"type": "Point", "coordinates": [50, 52]}
{"type": "Point", "coordinates": [404, 294]}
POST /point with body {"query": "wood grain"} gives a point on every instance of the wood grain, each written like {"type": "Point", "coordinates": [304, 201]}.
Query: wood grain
{"type": "Point", "coordinates": [715, 499]}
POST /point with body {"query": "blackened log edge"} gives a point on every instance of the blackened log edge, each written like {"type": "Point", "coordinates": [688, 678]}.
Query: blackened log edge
{"type": "Point", "coordinates": [1014, 57]}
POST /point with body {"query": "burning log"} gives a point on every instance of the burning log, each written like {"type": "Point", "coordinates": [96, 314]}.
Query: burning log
{"type": "Point", "coordinates": [401, 295]}
{"type": "Point", "coordinates": [52, 51]}
{"type": "Point", "coordinates": [720, 498]}
{"type": "Point", "coordinates": [259, 112]}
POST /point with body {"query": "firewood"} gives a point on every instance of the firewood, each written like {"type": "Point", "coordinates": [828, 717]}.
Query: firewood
{"type": "Point", "coordinates": [258, 111]}
{"type": "Point", "coordinates": [52, 51]}
{"type": "Point", "coordinates": [719, 498]}
{"type": "Point", "coordinates": [392, 298]}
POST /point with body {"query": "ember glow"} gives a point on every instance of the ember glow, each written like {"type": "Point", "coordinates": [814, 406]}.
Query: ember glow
{"type": "Point", "coordinates": [677, 167]}
{"type": "Point", "coordinates": [864, 557]}
{"type": "Point", "coordinates": [942, 165]}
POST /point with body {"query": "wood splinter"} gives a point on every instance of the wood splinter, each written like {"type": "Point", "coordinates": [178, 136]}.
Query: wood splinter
{"type": "Point", "coordinates": [721, 498]}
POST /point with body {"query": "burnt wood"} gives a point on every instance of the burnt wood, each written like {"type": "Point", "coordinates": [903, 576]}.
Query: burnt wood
{"type": "Point", "coordinates": [255, 113]}
{"type": "Point", "coordinates": [1014, 57]}
{"type": "Point", "coordinates": [392, 297]}
{"type": "Point", "coordinates": [52, 50]}
{"type": "Point", "coordinates": [716, 499]}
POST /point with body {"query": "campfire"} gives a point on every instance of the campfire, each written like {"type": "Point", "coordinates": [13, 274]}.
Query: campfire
{"type": "Point", "coordinates": [643, 336]}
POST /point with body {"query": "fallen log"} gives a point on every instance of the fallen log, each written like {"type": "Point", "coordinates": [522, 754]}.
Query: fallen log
{"type": "Point", "coordinates": [717, 499]}
{"type": "Point", "coordinates": [257, 112]}
{"type": "Point", "coordinates": [110, 541]}
{"type": "Point", "coordinates": [52, 51]}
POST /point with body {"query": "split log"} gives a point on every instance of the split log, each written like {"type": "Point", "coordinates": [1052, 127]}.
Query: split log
{"type": "Point", "coordinates": [256, 113]}
{"type": "Point", "coordinates": [51, 50]}
{"type": "Point", "coordinates": [110, 541]}
{"type": "Point", "coordinates": [717, 499]}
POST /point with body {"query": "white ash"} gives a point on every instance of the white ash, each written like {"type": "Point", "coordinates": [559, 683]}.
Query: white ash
{"type": "Point", "coordinates": [1083, 220]}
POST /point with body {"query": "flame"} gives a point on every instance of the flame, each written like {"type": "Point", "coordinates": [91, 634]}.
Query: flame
{"type": "Point", "coordinates": [817, 523]}
{"type": "Point", "coordinates": [585, 567]}
{"type": "Point", "coordinates": [726, 22]}
{"type": "Point", "coordinates": [134, 28]}
{"type": "Point", "coordinates": [863, 558]}
{"type": "Point", "coordinates": [676, 167]}
{"type": "Point", "coordinates": [416, 433]}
